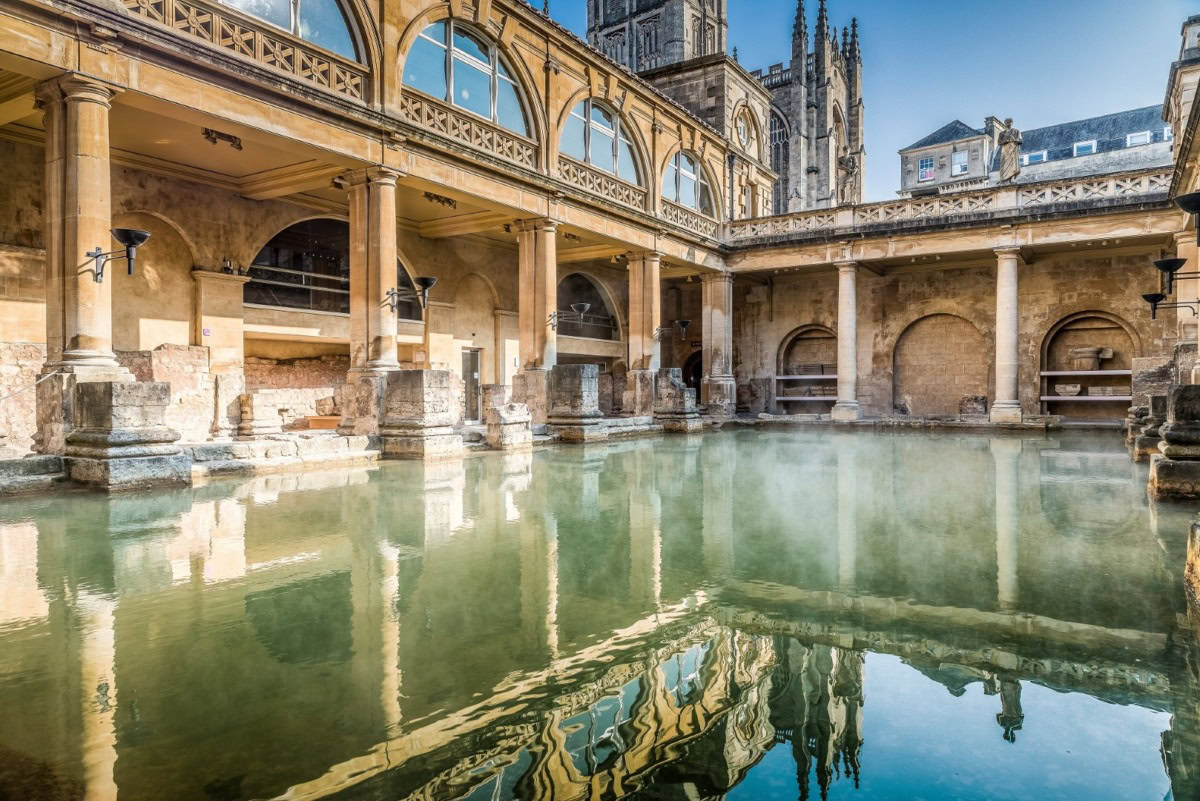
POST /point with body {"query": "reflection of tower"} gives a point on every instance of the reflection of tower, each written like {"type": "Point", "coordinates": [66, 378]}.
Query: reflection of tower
{"type": "Point", "coordinates": [817, 703]}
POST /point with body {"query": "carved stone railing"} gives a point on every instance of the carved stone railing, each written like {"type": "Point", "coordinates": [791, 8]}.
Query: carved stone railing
{"type": "Point", "coordinates": [686, 218]}
{"type": "Point", "coordinates": [1005, 201]}
{"type": "Point", "coordinates": [441, 118]}
{"type": "Point", "coordinates": [601, 183]}
{"type": "Point", "coordinates": [236, 33]}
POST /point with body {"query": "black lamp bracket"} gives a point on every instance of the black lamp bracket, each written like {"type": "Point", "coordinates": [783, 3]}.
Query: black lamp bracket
{"type": "Point", "coordinates": [100, 259]}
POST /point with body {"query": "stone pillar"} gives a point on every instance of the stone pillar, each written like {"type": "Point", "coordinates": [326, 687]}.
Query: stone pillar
{"type": "Point", "coordinates": [218, 324]}
{"type": "Point", "coordinates": [1135, 421]}
{"type": "Point", "coordinates": [675, 403]}
{"type": "Point", "coordinates": [645, 318]}
{"type": "Point", "coordinates": [537, 303]}
{"type": "Point", "coordinates": [77, 216]}
{"type": "Point", "coordinates": [418, 418]}
{"type": "Point", "coordinates": [1006, 458]}
{"type": "Point", "coordinates": [1146, 443]}
{"type": "Point", "coordinates": [119, 439]}
{"type": "Point", "coordinates": [373, 266]}
{"type": "Point", "coordinates": [1175, 473]}
{"type": "Point", "coordinates": [259, 415]}
{"type": "Point", "coordinates": [508, 424]}
{"type": "Point", "coordinates": [847, 409]}
{"type": "Point", "coordinates": [1006, 408]}
{"type": "Point", "coordinates": [1187, 288]}
{"type": "Point", "coordinates": [718, 389]}
{"type": "Point", "coordinates": [574, 403]}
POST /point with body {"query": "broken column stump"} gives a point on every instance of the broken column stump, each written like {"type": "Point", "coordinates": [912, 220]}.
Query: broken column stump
{"type": "Point", "coordinates": [1146, 443]}
{"type": "Point", "coordinates": [675, 403]}
{"type": "Point", "coordinates": [119, 439]}
{"type": "Point", "coordinates": [575, 403]}
{"type": "Point", "coordinates": [418, 416]}
{"type": "Point", "coordinates": [1175, 471]}
{"type": "Point", "coordinates": [509, 425]}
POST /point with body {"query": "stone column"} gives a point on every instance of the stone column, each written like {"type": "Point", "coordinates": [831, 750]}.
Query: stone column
{"type": "Point", "coordinates": [1006, 408]}
{"type": "Point", "coordinates": [218, 324]}
{"type": "Point", "coordinates": [373, 265]}
{"type": "Point", "coordinates": [1006, 457]}
{"type": "Point", "coordinates": [847, 409]}
{"type": "Point", "coordinates": [1187, 288]}
{"type": "Point", "coordinates": [537, 303]}
{"type": "Point", "coordinates": [718, 390]}
{"type": "Point", "coordinates": [77, 218]}
{"type": "Point", "coordinates": [418, 418]}
{"type": "Point", "coordinates": [645, 318]}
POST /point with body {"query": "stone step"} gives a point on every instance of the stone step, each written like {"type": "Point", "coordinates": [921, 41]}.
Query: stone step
{"type": "Point", "coordinates": [31, 474]}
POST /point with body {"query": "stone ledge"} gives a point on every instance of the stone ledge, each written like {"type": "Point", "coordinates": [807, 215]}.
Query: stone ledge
{"type": "Point", "coordinates": [282, 464]}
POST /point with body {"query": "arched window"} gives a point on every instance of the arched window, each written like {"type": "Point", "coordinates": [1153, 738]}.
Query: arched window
{"type": "Point", "coordinates": [747, 132]}
{"type": "Point", "coordinates": [597, 322]}
{"type": "Point", "coordinates": [452, 63]}
{"type": "Point", "coordinates": [780, 162]}
{"type": "Point", "coordinates": [322, 22]}
{"type": "Point", "coordinates": [307, 266]}
{"type": "Point", "coordinates": [596, 135]}
{"type": "Point", "coordinates": [684, 183]}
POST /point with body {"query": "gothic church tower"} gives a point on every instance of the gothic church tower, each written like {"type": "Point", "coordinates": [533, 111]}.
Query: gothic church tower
{"type": "Point", "coordinates": [649, 34]}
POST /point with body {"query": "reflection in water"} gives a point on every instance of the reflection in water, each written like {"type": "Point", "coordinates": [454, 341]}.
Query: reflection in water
{"type": "Point", "coordinates": [741, 615]}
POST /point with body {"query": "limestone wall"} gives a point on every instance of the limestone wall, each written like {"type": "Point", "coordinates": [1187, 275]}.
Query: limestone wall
{"type": "Point", "coordinates": [303, 387]}
{"type": "Point", "coordinates": [20, 364]}
{"type": "Point", "coordinates": [193, 389]}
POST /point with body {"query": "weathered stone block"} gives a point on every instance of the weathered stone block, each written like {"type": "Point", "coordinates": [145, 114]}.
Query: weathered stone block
{"type": "Point", "coordinates": [973, 405]}
{"type": "Point", "coordinates": [1146, 443]}
{"type": "Point", "coordinates": [260, 415]}
{"type": "Point", "coordinates": [720, 395]}
{"type": "Point", "coordinates": [574, 403]}
{"type": "Point", "coordinates": [509, 425]}
{"type": "Point", "coordinates": [532, 388]}
{"type": "Point", "coordinates": [675, 403]}
{"type": "Point", "coordinates": [638, 400]}
{"type": "Point", "coordinates": [1175, 471]}
{"type": "Point", "coordinates": [418, 415]}
{"type": "Point", "coordinates": [1135, 421]}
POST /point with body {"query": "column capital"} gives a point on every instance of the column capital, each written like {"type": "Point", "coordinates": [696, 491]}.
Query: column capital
{"type": "Point", "coordinates": [846, 266]}
{"type": "Point", "coordinates": [77, 87]}
{"type": "Point", "coordinates": [644, 255]}
{"type": "Point", "coordinates": [1184, 237]}
{"type": "Point", "coordinates": [714, 277]}
{"type": "Point", "coordinates": [1008, 250]}
{"type": "Point", "coordinates": [536, 224]}
{"type": "Point", "coordinates": [385, 176]}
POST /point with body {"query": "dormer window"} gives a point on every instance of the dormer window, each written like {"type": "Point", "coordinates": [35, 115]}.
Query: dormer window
{"type": "Point", "coordinates": [1037, 157]}
{"type": "Point", "coordinates": [1085, 148]}
{"type": "Point", "coordinates": [925, 169]}
{"type": "Point", "coordinates": [1135, 139]}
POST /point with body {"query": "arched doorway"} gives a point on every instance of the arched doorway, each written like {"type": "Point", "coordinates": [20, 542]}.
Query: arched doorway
{"type": "Point", "coordinates": [939, 362]}
{"type": "Point", "coordinates": [1094, 351]}
{"type": "Point", "coordinates": [806, 371]}
{"type": "Point", "coordinates": [693, 371]}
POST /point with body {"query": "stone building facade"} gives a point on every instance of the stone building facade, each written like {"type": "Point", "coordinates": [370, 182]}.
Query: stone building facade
{"type": "Point", "coordinates": [297, 198]}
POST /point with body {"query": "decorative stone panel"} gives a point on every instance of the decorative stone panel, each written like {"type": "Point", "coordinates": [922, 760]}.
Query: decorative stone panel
{"type": "Point", "coordinates": [686, 218]}
{"type": "Point", "coordinates": [601, 183]}
{"type": "Point", "coordinates": [224, 28]}
{"type": "Point", "coordinates": [469, 130]}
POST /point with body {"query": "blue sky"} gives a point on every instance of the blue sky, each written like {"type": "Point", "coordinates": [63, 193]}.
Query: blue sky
{"type": "Point", "coordinates": [927, 62]}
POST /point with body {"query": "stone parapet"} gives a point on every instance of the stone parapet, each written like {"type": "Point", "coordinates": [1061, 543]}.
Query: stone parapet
{"type": "Point", "coordinates": [574, 403]}
{"type": "Point", "coordinates": [1175, 471]}
{"type": "Point", "coordinates": [675, 402]}
{"type": "Point", "coordinates": [1146, 443]}
{"type": "Point", "coordinates": [418, 416]}
{"type": "Point", "coordinates": [120, 441]}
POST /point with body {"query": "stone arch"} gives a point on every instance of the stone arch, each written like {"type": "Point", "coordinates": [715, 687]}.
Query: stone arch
{"type": "Point", "coordinates": [693, 370]}
{"type": "Point", "coordinates": [803, 344]}
{"type": "Point", "coordinates": [475, 304]}
{"type": "Point", "coordinates": [606, 295]}
{"type": "Point", "coordinates": [938, 360]}
{"type": "Point", "coordinates": [539, 122]}
{"type": "Point", "coordinates": [154, 306]}
{"type": "Point", "coordinates": [1086, 329]}
{"type": "Point", "coordinates": [245, 257]}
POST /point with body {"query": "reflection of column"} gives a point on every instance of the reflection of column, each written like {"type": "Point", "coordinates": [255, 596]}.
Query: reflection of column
{"type": "Point", "coordinates": [847, 408]}
{"type": "Point", "coordinates": [392, 678]}
{"type": "Point", "coordinates": [1006, 454]}
{"type": "Point", "coordinates": [1011, 716]}
{"type": "Point", "coordinates": [443, 484]}
{"type": "Point", "coordinates": [538, 299]}
{"type": "Point", "coordinates": [719, 390]}
{"type": "Point", "coordinates": [645, 310]}
{"type": "Point", "coordinates": [1007, 406]}
{"type": "Point", "coordinates": [645, 552]}
{"type": "Point", "coordinates": [97, 655]}
{"type": "Point", "coordinates": [847, 478]}
{"type": "Point", "coordinates": [539, 584]}
{"type": "Point", "coordinates": [719, 457]}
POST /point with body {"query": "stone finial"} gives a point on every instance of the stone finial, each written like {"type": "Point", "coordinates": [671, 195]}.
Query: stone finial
{"type": "Point", "coordinates": [800, 26]}
{"type": "Point", "coordinates": [855, 51]}
{"type": "Point", "coordinates": [822, 31]}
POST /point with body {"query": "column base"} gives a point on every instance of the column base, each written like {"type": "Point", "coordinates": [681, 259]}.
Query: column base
{"type": "Point", "coordinates": [1006, 412]}
{"type": "Point", "coordinates": [428, 444]}
{"type": "Point", "coordinates": [846, 412]}
{"type": "Point", "coordinates": [532, 388]}
{"type": "Point", "coordinates": [1174, 479]}
{"type": "Point", "coordinates": [54, 399]}
{"type": "Point", "coordinates": [719, 394]}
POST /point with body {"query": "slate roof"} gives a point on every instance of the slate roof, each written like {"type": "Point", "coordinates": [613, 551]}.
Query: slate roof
{"type": "Point", "coordinates": [1109, 131]}
{"type": "Point", "coordinates": [947, 133]}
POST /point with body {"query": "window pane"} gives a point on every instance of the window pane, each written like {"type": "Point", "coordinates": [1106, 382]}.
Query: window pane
{"type": "Point", "coordinates": [323, 23]}
{"type": "Point", "coordinates": [626, 163]}
{"type": "Point", "coordinates": [706, 204]}
{"type": "Point", "coordinates": [436, 32]}
{"type": "Point", "coordinates": [572, 139]}
{"type": "Point", "coordinates": [425, 68]}
{"type": "Point", "coordinates": [602, 118]}
{"type": "Point", "coordinates": [468, 44]}
{"type": "Point", "coordinates": [688, 165]}
{"type": "Point", "coordinates": [602, 150]}
{"type": "Point", "coordinates": [687, 191]}
{"type": "Point", "coordinates": [472, 88]}
{"type": "Point", "coordinates": [668, 188]}
{"type": "Point", "coordinates": [276, 12]}
{"type": "Point", "coordinates": [508, 108]}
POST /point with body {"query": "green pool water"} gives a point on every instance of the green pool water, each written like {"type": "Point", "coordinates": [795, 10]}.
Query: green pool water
{"type": "Point", "coordinates": [742, 615]}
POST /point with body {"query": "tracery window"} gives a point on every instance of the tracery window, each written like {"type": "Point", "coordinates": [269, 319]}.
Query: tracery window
{"type": "Point", "coordinates": [322, 22]}
{"type": "Point", "coordinates": [779, 162]}
{"type": "Point", "coordinates": [597, 136]}
{"type": "Point", "coordinates": [450, 62]}
{"type": "Point", "coordinates": [685, 183]}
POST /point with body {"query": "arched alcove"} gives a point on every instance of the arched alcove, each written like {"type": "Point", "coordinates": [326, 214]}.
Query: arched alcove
{"type": "Point", "coordinates": [599, 321]}
{"type": "Point", "coordinates": [155, 305]}
{"type": "Point", "coordinates": [1066, 349]}
{"type": "Point", "coordinates": [939, 361]}
{"type": "Point", "coordinates": [806, 370]}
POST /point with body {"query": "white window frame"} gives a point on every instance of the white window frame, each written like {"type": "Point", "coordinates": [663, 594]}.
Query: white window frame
{"type": "Point", "coordinates": [1089, 143]}
{"type": "Point", "coordinates": [921, 169]}
{"type": "Point", "coordinates": [954, 166]}
{"type": "Point", "coordinates": [294, 27]}
{"type": "Point", "coordinates": [618, 135]}
{"type": "Point", "coordinates": [1028, 158]}
{"type": "Point", "coordinates": [1129, 139]}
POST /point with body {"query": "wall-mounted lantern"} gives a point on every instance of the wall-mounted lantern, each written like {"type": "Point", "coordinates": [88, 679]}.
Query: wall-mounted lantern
{"type": "Point", "coordinates": [1155, 299]}
{"type": "Point", "coordinates": [680, 325]}
{"type": "Point", "coordinates": [130, 238]}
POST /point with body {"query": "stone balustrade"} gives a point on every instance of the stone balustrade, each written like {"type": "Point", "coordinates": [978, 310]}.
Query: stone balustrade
{"type": "Point", "coordinates": [1000, 202]}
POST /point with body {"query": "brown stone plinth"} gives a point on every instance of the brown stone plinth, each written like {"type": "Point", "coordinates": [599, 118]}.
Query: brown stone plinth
{"type": "Point", "coordinates": [418, 419]}
{"type": "Point", "coordinates": [1175, 471]}
{"type": "Point", "coordinates": [575, 403]}
{"type": "Point", "coordinates": [532, 388]}
{"type": "Point", "coordinates": [638, 400]}
{"type": "Point", "coordinates": [721, 392]}
{"type": "Point", "coordinates": [675, 403]}
{"type": "Point", "coordinates": [119, 440]}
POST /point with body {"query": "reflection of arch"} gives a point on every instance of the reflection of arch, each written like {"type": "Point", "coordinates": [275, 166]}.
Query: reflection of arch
{"type": "Point", "coordinates": [1088, 329]}
{"type": "Point", "coordinates": [804, 344]}
{"type": "Point", "coordinates": [581, 287]}
{"type": "Point", "coordinates": [524, 79]}
{"type": "Point", "coordinates": [921, 382]}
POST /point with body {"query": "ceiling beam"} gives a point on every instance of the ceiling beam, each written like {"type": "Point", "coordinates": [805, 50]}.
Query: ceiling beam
{"type": "Point", "coordinates": [16, 97]}
{"type": "Point", "coordinates": [289, 180]}
{"type": "Point", "coordinates": [464, 224]}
